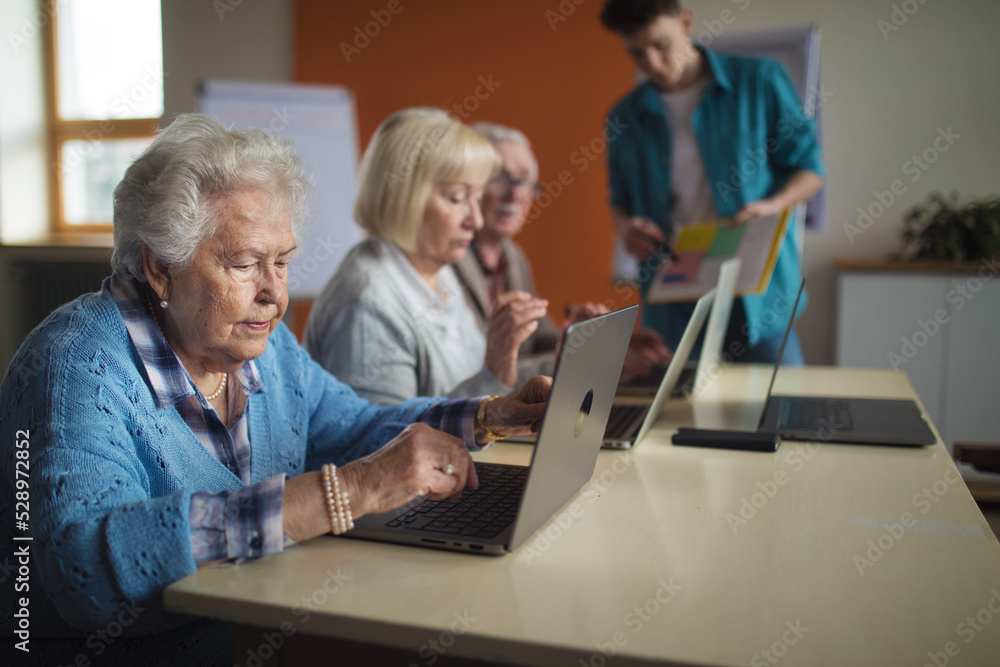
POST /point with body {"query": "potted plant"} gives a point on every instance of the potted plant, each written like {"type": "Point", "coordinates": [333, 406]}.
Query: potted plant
{"type": "Point", "coordinates": [943, 228]}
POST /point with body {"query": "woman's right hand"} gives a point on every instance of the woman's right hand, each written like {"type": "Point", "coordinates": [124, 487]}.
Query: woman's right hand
{"type": "Point", "coordinates": [515, 317]}
{"type": "Point", "coordinates": [410, 465]}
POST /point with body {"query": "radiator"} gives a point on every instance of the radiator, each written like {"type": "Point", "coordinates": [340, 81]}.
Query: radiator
{"type": "Point", "coordinates": [35, 289]}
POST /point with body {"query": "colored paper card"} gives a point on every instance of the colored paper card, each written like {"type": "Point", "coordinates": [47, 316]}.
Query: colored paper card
{"type": "Point", "coordinates": [726, 241]}
{"type": "Point", "coordinates": [696, 237]}
{"type": "Point", "coordinates": [684, 269]}
{"type": "Point", "coordinates": [756, 242]}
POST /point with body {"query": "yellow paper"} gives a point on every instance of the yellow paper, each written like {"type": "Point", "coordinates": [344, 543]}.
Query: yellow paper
{"type": "Point", "coordinates": [696, 237]}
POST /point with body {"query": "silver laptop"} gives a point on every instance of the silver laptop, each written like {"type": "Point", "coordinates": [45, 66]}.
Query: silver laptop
{"type": "Point", "coordinates": [629, 422]}
{"type": "Point", "coordinates": [877, 421]}
{"type": "Point", "coordinates": [718, 323]}
{"type": "Point", "coordinates": [695, 373]}
{"type": "Point", "coordinates": [512, 502]}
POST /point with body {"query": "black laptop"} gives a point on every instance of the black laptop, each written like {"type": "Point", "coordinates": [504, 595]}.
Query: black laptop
{"type": "Point", "coordinates": [875, 421]}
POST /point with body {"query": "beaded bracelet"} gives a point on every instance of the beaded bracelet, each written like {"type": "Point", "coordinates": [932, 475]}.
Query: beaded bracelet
{"type": "Point", "coordinates": [338, 504]}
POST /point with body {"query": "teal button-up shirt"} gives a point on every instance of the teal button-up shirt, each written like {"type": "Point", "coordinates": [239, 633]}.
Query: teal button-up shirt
{"type": "Point", "coordinates": [753, 135]}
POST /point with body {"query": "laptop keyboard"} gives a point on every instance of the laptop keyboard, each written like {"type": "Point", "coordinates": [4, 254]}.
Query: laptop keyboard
{"type": "Point", "coordinates": [806, 413]}
{"type": "Point", "coordinates": [650, 384]}
{"type": "Point", "coordinates": [482, 512]}
{"type": "Point", "coordinates": [621, 422]}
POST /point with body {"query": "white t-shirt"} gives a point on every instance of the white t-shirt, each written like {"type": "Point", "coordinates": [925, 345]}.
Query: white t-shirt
{"type": "Point", "coordinates": [692, 195]}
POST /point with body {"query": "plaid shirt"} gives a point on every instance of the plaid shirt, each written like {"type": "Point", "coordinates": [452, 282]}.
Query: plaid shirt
{"type": "Point", "coordinates": [246, 523]}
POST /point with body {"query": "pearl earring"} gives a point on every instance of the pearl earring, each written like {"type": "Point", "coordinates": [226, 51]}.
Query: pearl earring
{"type": "Point", "coordinates": [164, 304]}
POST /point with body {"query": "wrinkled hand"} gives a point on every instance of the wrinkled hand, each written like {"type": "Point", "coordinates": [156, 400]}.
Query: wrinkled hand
{"type": "Point", "coordinates": [520, 412]}
{"type": "Point", "coordinates": [576, 314]}
{"type": "Point", "coordinates": [755, 209]}
{"type": "Point", "coordinates": [646, 350]}
{"type": "Point", "coordinates": [584, 311]}
{"type": "Point", "coordinates": [642, 237]}
{"type": "Point", "coordinates": [411, 464]}
{"type": "Point", "coordinates": [515, 317]}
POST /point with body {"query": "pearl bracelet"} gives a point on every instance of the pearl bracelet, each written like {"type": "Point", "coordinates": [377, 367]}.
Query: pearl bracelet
{"type": "Point", "coordinates": [338, 504]}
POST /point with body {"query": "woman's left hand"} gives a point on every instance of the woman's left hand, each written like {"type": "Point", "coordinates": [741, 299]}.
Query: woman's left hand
{"type": "Point", "coordinates": [520, 412]}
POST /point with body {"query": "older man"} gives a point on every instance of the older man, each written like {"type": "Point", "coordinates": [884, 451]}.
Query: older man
{"type": "Point", "coordinates": [497, 264]}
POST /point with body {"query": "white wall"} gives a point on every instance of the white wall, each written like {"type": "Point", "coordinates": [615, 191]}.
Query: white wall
{"type": "Point", "coordinates": [226, 39]}
{"type": "Point", "coordinates": [888, 97]}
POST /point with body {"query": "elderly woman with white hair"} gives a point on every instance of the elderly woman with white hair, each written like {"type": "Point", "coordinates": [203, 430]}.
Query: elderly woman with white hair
{"type": "Point", "coordinates": [393, 321]}
{"type": "Point", "coordinates": [171, 421]}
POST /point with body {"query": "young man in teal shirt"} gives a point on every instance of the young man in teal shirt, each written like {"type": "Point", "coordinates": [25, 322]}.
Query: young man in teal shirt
{"type": "Point", "coordinates": [707, 136]}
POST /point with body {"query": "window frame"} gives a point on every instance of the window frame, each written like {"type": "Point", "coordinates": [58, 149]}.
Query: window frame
{"type": "Point", "coordinates": [59, 131]}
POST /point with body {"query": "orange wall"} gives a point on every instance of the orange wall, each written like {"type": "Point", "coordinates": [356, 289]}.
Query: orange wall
{"type": "Point", "coordinates": [555, 84]}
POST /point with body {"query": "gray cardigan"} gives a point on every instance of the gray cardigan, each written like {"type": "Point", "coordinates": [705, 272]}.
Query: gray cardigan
{"type": "Point", "coordinates": [364, 330]}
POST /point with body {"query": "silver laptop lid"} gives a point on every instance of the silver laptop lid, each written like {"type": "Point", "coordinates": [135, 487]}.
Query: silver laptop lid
{"type": "Point", "coordinates": [590, 362]}
{"type": "Point", "coordinates": [718, 323]}
{"type": "Point", "coordinates": [678, 361]}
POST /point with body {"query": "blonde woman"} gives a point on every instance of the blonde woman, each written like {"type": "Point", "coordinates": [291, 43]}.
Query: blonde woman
{"type": "Point", "coordinates": [393, 321]}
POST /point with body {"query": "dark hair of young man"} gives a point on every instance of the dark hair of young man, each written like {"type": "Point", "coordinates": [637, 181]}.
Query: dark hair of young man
{"type": "Point", "coordinates": [626, 17]}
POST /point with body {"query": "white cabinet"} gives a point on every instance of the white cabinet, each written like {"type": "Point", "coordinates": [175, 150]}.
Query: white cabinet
{"type": "Point", "coordinates": [942, 327]}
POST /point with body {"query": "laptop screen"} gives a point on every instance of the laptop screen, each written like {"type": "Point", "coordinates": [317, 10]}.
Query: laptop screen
{"type": "Point", "coordinates": [781, 351]}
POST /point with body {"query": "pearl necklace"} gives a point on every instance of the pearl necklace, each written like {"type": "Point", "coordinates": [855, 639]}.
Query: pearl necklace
{"type": "Point", "coordinates": [222, 386]}
{"type": "Point", "coordinates": [225, 376]}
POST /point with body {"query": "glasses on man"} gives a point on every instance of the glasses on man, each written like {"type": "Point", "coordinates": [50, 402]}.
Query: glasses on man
{"type": "Point", "coordinates": [504, 183]}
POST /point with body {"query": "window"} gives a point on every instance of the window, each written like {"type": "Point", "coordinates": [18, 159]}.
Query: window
{"type": "Point", "coordinates": [105, 86]}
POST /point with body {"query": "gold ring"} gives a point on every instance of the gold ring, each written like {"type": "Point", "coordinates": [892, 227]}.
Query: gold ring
{"type": "Point", "coordinates": [449, 469]}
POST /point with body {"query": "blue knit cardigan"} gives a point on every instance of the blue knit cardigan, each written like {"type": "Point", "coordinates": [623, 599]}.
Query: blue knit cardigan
{"type": "Point", "coordinates": [112, 472]}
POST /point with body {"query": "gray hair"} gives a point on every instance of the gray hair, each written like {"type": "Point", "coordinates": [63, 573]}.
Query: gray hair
{"type": "Point", "coordinates": [171, 196]}
{"type": "Point", "coordinates": [497, 133]}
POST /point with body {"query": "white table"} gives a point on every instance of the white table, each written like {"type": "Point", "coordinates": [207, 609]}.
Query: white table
{"type": "Point", "coordinates": [814, 555]}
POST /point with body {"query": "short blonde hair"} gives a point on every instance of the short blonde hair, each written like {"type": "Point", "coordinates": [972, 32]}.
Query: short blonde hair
{"type": "Point", "coordinates": [411, 151]}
